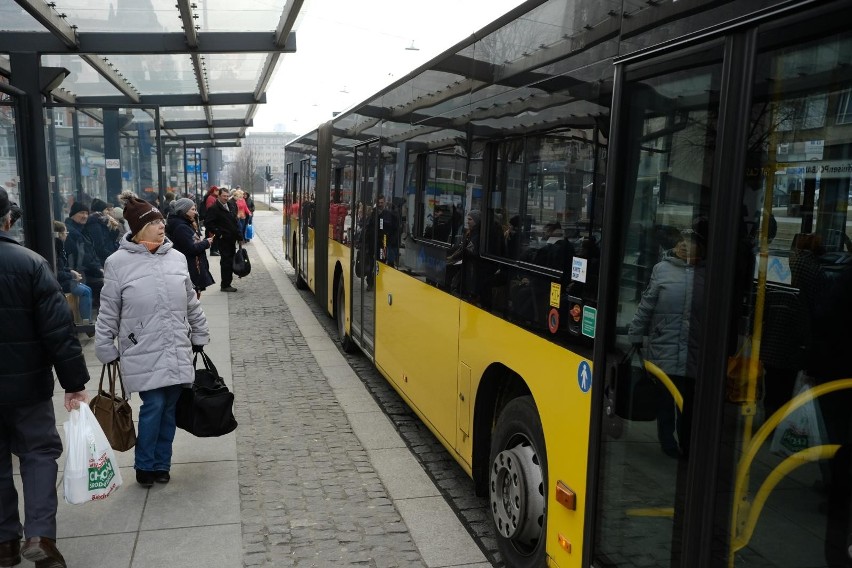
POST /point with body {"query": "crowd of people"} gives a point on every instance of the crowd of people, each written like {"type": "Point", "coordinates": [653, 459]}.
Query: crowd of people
{"type": "Point", "coordinates": [138, 271]}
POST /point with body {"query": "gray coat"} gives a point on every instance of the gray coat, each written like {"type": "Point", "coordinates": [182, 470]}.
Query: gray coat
{"type": "Point", "coordinates": [670, 318]}
{"type": "Point", "coordinates": [149, 304]}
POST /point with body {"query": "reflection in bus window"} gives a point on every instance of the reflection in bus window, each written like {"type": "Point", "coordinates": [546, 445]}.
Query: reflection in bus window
{"type": "Point", "coordinates": [796, 277]}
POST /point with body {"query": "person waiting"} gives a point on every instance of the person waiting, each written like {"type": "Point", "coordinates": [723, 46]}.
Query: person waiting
{"type": "Point", "coordinates": [82, 256]}
{"type": "Point", "coordinates": [71, 281]}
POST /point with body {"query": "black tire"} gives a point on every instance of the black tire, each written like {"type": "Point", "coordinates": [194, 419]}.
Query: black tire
{"type": "Point", "coordinates": [517, 485]}
{"type": "Point", "coordinates": [346, 342]}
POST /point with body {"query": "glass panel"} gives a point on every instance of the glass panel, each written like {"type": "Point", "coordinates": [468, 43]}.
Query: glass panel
{"type": "Point", "coordinates": [441, 199]}
{"type": "Point", "coordinates": [9, 175]}
{"type": "Point", "coordinates": [225, 15]}
{"type": "Point", "coordinates": [83, 81]}
{"type": "Point", "coordinates": [13, 18]}
{"type": "Point", "coordinates": [109, 16]}
{"type": "Point", "coordinates": [156, 74]}
{"type": "Point", "coordinates": [669, 136]}
{"type": "Point", "coordinates": [233, 72]}
{"type": "Point", "coordinates": [794, 308]}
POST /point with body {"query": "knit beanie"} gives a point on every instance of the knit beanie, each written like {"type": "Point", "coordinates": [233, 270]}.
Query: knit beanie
{"type": "Point", "coordinates": [99, 205]}
{"type": "Point", "coordinates": [182, 205]}
{"type": "Point", "coordinates": [138, 213]}
{"type": "Point", "coordinates": [77, 207]}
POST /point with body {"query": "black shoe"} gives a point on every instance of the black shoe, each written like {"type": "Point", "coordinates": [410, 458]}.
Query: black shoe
{"type": "Point", "coordinates": [10, 552]}
{"type": "Point", "coordinates": [43, 552]}
{"type": "Point", "coordinates": [162, 476]}
{"type": "Point", "coordinates": [228, 289]}
{"type": "Point", "coordinates": [214, 254]}
{"type": "Point", "coordinates": [145, 478]}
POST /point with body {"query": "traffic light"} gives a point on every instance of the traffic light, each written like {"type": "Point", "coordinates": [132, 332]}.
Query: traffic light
{"type": "Point", "coordinates": [268, 173]}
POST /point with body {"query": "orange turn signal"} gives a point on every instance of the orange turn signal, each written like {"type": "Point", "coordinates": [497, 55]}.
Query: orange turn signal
{"type": "Point", "coordinates": [565, 496]}
{"type": "Point", "coordinates": [565, 544]}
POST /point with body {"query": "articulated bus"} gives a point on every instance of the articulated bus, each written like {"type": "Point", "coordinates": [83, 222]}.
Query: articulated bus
{"type": "Point", "coordinates": [601, 248]}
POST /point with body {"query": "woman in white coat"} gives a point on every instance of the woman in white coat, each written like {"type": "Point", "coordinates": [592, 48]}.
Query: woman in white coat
{"type": "Point", "coordinates": [149, 305]}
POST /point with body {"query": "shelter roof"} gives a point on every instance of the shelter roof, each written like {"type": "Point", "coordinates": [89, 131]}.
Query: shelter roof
{"type": "Point", "coordinates": [205, 63]}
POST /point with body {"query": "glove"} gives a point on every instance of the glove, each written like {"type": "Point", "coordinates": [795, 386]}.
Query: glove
{"type": "Point", "coordinates": [197, 348]}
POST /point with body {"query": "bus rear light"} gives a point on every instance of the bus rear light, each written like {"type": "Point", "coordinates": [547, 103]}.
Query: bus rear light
{"type": "Point", "coordinates": [565, 496]}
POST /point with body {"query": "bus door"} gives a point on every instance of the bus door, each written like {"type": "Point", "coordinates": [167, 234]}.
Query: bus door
{"type": "Point", "coordinates": [365, 245]}
{"type": "Point", "coordinates": [306, 222]}
{"type": "Point", "coordinates": [667, 125]}
{"type": "Point", "coordinates": [725, 430]}
{"type": "Point", "coordinates": [288, 239]}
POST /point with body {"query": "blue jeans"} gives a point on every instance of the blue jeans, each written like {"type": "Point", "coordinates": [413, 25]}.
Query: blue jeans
{"type": "Point", "coordinates": [84, 293]}
{"type": "Point", "coordinates": [156, 428]}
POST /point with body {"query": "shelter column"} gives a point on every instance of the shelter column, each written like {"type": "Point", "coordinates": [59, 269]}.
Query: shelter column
{"type": "Point", "coordinates": [35, 192]}
{"type": "Point", "coordinates": [112, 154]}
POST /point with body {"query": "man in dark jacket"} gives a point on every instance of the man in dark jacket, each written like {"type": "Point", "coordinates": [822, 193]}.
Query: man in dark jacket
{"type": "Point", "coordinates": [38, 333]}
{"type": "Point", "coordinates": [103, 230]}
{"type": "Point", "coordinates": [82, 255]}
{"type": "Point", "coordinates": [222, 220]}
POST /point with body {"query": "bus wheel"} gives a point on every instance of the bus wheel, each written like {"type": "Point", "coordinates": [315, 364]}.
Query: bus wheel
{"type": "Point", "coordinates": [346, 342]}
{"type": "Point", "coordinates": [517, 485]}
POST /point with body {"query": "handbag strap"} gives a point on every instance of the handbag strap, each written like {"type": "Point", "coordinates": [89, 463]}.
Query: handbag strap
{"type": "Point", "coordinates": [103, 372]}
{"type": "Point", "coordinates": [115, 373]}
{"type": "Point", "coordinates": [629, 354]}
{"type": "Point", "coordinates": [208, 364]}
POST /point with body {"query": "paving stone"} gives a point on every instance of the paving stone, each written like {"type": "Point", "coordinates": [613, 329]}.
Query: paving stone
{"type": "Point", "coordinates": [304, 479]}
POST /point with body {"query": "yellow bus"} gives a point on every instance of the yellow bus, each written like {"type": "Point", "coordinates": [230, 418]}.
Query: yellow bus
{"type": "Point", "coordinates": [565, 242]}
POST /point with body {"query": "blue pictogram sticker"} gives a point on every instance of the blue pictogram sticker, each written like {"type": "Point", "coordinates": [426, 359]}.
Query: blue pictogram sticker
{"type": "Point", "coordinates": [584, 376]}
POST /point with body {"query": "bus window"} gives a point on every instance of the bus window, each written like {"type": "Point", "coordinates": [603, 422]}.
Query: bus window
{"type": "Point", "coordinates": [444, 191]}
{"type": "Point", "coordinates": [795, 310]}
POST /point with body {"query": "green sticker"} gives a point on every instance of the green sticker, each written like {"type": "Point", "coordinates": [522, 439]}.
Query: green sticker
{"type": "Point", "coordinates": [590, 316]}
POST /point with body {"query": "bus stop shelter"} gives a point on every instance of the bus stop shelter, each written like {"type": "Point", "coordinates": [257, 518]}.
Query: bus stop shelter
{"type": "Point", "coordinates": [99, 97]}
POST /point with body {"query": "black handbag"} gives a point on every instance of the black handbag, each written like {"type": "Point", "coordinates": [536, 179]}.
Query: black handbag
{"type": "Point", "coordinates": [242, 264]}
{"type": "Point", "coordinates": [206, 409]}
{"type": "Point", "coordinates": [637, 393]}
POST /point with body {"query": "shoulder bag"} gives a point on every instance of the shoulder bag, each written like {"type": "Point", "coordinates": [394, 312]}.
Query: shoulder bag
{"type": "Point", "coordinates": [242, 265]}
{"type": "Point", "coordinates": [206, 409]}
{"type": "Point", "coordinates": [636, 391]}
{"type": "Point", "coordinates": [113, 412]}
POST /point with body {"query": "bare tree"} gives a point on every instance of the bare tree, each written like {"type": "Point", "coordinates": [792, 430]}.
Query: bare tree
{"type": "Point", "coordinates": [247, 172]}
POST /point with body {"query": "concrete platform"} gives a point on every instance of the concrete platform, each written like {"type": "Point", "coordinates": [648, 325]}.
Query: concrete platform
{"type": "Point", "coordinates": [315, 475]}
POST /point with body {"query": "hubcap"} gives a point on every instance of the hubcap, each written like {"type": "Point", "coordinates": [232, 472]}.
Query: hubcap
{"type": "Point", "coordinates": [517, 501]}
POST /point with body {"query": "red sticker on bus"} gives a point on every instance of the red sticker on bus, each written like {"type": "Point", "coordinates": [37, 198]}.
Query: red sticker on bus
{"type": "Point", "coordinates": [553, 320]}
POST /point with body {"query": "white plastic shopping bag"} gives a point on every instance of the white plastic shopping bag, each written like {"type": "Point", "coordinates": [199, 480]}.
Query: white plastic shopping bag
{"type": "Point", "coordinates": [801, 429]}
{"type": "Point", "coordinates": [91, 471]}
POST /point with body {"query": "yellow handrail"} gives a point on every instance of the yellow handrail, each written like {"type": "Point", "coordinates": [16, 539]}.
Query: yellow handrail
{"type": "Point", "coordinates": [664, 378]}
{"type": "Point", "coordinates": [740, 503]}
{"type": "Point", "coordinates": [775, 476]}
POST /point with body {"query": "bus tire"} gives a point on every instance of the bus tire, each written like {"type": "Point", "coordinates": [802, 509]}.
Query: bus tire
{"type": "Point", "coordinates": [517, 484]}
{"type": "Point", "coordinates": [346, 342]}
{"type": "Point", "coordinates": [300, 282]}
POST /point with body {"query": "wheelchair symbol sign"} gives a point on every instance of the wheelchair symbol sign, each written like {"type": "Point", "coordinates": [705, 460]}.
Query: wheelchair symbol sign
{"type": "Point", "coordinates": [584, 376]}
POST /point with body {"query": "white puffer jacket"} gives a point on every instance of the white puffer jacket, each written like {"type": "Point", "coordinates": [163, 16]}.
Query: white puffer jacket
{"type": "Point", "coordinates": [148, 304]}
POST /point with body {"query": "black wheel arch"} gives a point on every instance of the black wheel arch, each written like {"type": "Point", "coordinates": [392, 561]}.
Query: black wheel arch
{"type": "Point", "coordinates": [498, 386]}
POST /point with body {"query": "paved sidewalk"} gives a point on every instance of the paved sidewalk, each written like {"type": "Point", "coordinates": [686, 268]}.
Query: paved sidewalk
{"type": "Point", "coordinates": [315, 475]}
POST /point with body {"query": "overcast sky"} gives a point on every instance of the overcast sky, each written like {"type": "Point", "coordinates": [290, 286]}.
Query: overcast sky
{"type": "Point", "coordinates": [350, 49]}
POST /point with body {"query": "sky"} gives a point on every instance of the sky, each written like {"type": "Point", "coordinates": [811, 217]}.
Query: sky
{"type": "Point", "coordinates": [346, 50]}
